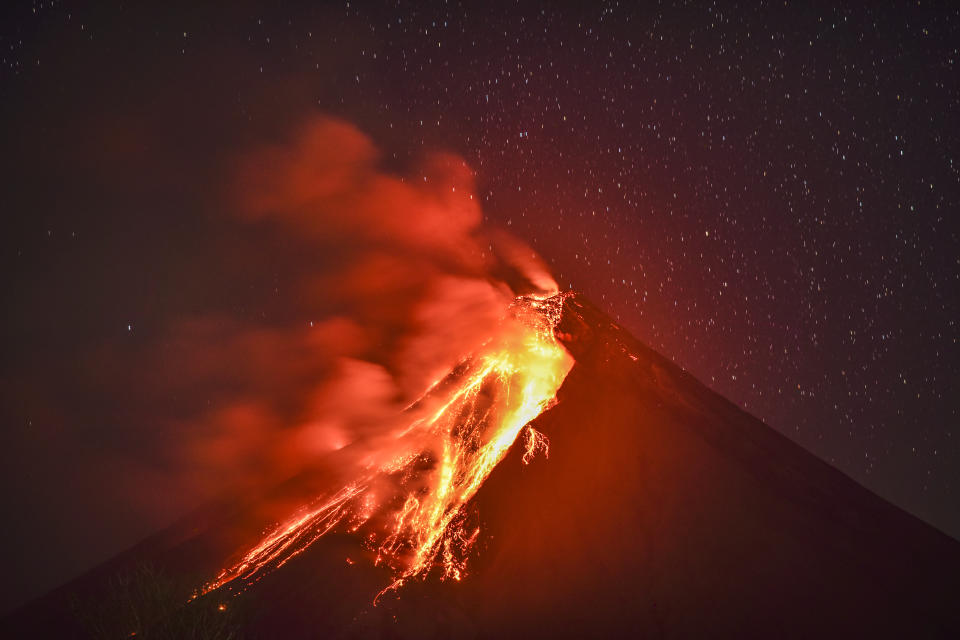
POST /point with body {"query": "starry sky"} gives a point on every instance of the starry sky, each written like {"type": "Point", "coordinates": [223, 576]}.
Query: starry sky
{"type": "Point", "coordinates": [766, 194]}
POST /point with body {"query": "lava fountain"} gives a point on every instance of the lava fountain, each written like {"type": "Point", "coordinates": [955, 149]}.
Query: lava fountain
{"type": "Point", "coordinates": [408, 501]}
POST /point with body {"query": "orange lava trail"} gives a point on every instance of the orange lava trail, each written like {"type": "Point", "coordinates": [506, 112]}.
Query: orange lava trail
{"type": "Point", "coordinates": [499, 391]}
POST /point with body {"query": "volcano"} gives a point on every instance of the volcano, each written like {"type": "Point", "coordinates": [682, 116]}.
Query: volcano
{"type": "Point", "coordinates": [639, 504]}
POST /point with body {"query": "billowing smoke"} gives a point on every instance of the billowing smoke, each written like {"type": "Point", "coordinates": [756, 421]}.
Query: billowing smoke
{"type": "Point", "coordinates": [401, 283]}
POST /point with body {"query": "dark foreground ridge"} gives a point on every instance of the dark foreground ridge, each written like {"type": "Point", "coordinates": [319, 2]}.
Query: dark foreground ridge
{"type": "Point", "coordinates": [663, 511]}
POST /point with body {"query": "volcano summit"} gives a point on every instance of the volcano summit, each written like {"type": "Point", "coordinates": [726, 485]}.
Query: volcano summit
{"type": "Point", "coordinates": [638, 503]}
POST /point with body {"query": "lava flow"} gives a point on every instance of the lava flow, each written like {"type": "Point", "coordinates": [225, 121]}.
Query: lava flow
{"type": "Point", "coordinates": [410, 508]}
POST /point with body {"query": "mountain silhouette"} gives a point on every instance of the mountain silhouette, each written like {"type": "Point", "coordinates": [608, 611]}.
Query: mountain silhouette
{"type": "Point", "coordinates": [663, 510]}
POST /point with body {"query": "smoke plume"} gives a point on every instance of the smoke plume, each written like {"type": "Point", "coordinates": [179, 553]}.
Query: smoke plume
{"type": "Point", "coordinates": [400, 283]}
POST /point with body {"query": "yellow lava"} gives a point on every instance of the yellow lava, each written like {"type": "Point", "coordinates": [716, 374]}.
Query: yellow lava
{"type": "Point", "coordinates": [511, 381]}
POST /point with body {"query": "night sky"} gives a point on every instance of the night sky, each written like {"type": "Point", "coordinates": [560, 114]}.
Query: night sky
{"type": "Point", "coordinates": [767, 195]}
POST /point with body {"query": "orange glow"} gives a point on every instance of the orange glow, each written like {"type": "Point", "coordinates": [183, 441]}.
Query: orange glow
{"type": "Point", "coordinates": [536, 442]}
{"type": "Point", "coordinates": [410, 504]}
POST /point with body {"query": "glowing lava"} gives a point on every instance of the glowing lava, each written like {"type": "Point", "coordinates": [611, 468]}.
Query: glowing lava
{"type": "Point", "coordinates": [411, 507]}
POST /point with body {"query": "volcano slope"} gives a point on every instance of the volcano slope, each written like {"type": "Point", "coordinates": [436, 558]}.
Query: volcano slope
{"type": "Point", "coordinates": [662, 511]}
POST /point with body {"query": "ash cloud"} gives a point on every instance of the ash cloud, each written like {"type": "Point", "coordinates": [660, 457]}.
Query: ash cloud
{"type": "Point", "coordinates": [397, 282]}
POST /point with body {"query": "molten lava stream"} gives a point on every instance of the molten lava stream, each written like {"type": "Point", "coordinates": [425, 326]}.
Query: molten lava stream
{"type": "Point", "coordinates": [458, 432]}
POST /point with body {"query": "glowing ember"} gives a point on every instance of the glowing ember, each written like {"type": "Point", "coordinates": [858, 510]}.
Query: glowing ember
{"type": "Point", "coordinates": [411, 507]}
{"type": "Point", "coordinates": [536, 442]}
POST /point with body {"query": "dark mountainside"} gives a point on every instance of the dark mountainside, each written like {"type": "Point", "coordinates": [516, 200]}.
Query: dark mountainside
{"type": "Point", "coordinates": [663, 511]}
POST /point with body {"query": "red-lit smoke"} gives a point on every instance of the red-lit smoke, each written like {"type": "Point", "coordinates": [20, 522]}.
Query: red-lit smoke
{"type": "Point", "coordinates": [398, 282]}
